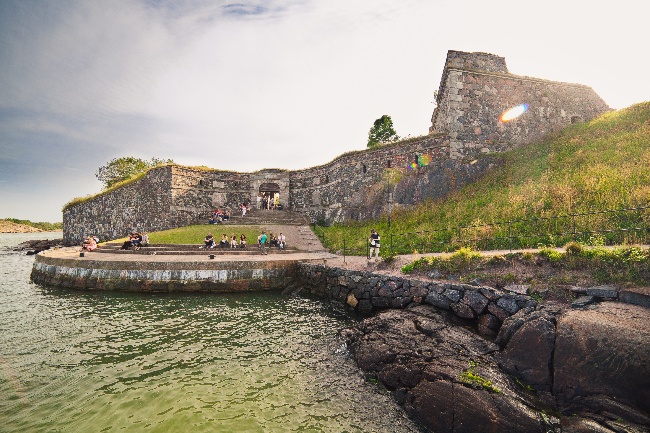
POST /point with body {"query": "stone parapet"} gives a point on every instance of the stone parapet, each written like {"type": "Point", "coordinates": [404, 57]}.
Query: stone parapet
{"type": "Point", "coordinates": [164, 276]}
{"type": "Point", "coordinates": [367, 293]}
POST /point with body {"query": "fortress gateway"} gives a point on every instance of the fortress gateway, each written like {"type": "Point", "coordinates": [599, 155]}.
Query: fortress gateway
{"type": "Point", "coordinates": [475, 89]}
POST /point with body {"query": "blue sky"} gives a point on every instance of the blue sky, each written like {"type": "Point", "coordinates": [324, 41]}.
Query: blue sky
{"type": "Point", "coordinates": [245, 85]}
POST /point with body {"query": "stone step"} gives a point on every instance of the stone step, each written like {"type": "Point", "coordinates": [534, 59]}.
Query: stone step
{"type": "Point", "coordinates": [197, 251]}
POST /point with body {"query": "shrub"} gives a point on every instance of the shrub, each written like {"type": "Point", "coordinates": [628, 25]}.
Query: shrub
{"type": "Point", "coordinates": [573, 248]}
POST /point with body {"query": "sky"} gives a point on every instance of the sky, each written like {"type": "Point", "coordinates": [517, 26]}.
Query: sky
{"type": "Point", "coordinates": [250, 84]}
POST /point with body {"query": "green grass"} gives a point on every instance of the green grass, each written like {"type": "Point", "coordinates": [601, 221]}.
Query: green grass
{"type": "Point", "coordinates": [472, 378]}
{"type": "Point", "coordinates": [600, 165]}
{"type": "Point", "coordinates": [624, 264]}
{"type": "Point", "coordinates": [196, 233]}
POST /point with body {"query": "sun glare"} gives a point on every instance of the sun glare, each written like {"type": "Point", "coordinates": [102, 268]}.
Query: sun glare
{"type": "Point", "coordinates": [513, 113]}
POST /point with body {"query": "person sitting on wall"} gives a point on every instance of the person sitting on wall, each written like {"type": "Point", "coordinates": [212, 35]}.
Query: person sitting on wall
{"type": "Point", "coordinates": [137, 241]}
{"type": "Point", "coordinates": [89, 244]}
{"type": "Point", "coordinates": [211, 220]}
{"type": "Point", "coordinates": [242, 241]}
{"type": "Point", "coordinates": [281, 241]}
{"type": "Point", "coordinates": [209, 241]}
{"type": "Point", "coordinates": [274, 241]}
{"type": "Point", "coordinates": [226, 216]}
{"type": "Point", "coordinates": [243, 209]}
{"type": "Point", "coordinates": [223, 243]}
{"type": "Point", "coordinates": [145, 240]}
{"type": "Point", "coordinates": [128, 243]}
{"type": "Point", "coordinates": [233, 241]}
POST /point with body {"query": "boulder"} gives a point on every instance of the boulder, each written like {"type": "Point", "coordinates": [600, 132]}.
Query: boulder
{"type": "Point", "coordinates": [422, 355]}
{"type": "Point", "coordinates": [528, 353]}
{"type": "Point", "coordinates": [602, 360]}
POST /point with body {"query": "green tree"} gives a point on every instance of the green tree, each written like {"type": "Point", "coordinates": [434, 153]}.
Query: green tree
{"type": "Point", "coordinates": [382, 132]}
{"type": "Point", "coordinates": [120, 169]}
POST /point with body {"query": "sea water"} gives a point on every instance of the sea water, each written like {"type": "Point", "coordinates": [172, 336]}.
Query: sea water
{"type": "Point", "coordinates": [76, 361]}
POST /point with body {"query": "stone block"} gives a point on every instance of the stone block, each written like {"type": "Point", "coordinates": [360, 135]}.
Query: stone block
{"type": "Point", "coordinates": [608, 291]}
{"type": "Point", "coordinates": [437, 300]}
{"type": "Point", "coordinates": [583, 301]}
{"type": "Point", "coordinates": [508, 303]}
{"type": "Point", "coordinates": [636, 296]}
{"type": "Point", "coordinates": [476, 301]}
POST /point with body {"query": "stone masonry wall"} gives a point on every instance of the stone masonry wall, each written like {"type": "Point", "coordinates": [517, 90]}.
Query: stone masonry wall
{"type": "Point", "coordinates": [196, 192]}
{"type": "Point", "coordinates": [353, 186]}
{"type": "Point", "coordinates": [476, 89]}
{"type": "Point", "coordinates": [141, 205]}
{"type": "Point", "coordinates": [367, 293]}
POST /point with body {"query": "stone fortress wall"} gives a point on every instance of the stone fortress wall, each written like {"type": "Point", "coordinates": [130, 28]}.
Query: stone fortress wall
{"type": "Point", "coordinates": [475, 89]}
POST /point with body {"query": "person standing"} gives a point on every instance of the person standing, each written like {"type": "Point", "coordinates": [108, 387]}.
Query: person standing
{"type": "Point", "coordinates": [374, 244]}
{"type": "Point", "coordinates": [263, 239]}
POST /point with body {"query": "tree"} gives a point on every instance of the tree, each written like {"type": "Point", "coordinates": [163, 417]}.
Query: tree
{"type": "Point", "coordinates": [382, 132]}
{"type": "Point", "coordinates": [120, 169]}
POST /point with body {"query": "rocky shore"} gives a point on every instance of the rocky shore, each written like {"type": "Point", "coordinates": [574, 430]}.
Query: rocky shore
{"type": "Point", "coordinates": [472, 358]}
{"type": "Point", "coordinates": [36, 246]}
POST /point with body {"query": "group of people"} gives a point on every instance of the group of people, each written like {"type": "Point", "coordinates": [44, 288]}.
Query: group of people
{"type": "Point", "coordinates": [280, 241]}
{"type": "Point", "coordinates": [136, 241]}
{"type": "Point", "coordinates": [219, 216]}
{"type": "Point", "coordinates": [225, 242]}
{"type": "Point", "coordinates": [263, 241]}
{"type": "Point", "coordinates": [270, 201]}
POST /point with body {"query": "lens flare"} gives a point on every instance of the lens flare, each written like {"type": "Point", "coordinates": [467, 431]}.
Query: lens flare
{"type": "Point", "coordinates": [513, 113]}
{"type": "Point", "coordinates": [413, 166]}
{"type": "Point", "coordinates": [424, 160]}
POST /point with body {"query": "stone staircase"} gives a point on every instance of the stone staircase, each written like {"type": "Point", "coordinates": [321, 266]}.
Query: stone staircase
{"type": "Point", "coordinates": [265, 217]}
{"type": "Point", "coordinates": [190, 249]}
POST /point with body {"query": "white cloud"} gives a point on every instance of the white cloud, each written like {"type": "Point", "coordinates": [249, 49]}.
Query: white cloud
{"type": "Point", "coordinates": [249, 84]}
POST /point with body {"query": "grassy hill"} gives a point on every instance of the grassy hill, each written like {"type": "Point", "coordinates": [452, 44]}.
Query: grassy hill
{"type": "Point", "coordinates": [585, 169]}
{"type": "Point", "coordinates": [13, 225]}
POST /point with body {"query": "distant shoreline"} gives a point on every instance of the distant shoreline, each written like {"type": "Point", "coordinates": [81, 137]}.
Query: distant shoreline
{"type": "Point", "coordinates": [7, 226]}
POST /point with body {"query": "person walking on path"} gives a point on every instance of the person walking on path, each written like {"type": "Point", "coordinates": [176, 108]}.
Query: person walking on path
{"type": "Point", "coordinates": [263, 242]}
{"type": "Point", "coordinates": [374, 244]}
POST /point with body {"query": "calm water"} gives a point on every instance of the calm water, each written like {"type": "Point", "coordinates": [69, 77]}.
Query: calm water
{"type": "Point", "coordinates": [106, 362]}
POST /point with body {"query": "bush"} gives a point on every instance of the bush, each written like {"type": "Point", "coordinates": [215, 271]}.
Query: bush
{"type": "Point", "coordinates": [573, 248]}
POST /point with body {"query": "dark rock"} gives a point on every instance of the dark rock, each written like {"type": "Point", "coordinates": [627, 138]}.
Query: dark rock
{"type": "Point", "coordinates": [508, 303]}
{"type": "Point", "coordinates": [603, 291]}
{"type": "Point", "coordinates": [435, 274]}
{"type": "Point", "coordinates": [602, 359]}
{"type": "Point", "coordinates": [519, 289]}
{"type": "Point", "coordinates": [488, 321]}
{"type": "Point", "coordinates": [529, 351]}
{"type": "Point", "coordinates": [453, 295]}
{"type": "Point", "coordinates": [583, 301]}
{"type": "Point", "coordinates": [437, 300]}
{"type": "Point", "coordinates": [421, 355]}
{"type": "Point", "coordinates": [476, 301]}
{"type": "Point", "coordinates": [498, 312]}
{"type": "Point", "coordinates": [511, 325]}
{"type": "Point", "coordinates": [637, 296]}
{"type": "Point", "coordinates": [463, 310]}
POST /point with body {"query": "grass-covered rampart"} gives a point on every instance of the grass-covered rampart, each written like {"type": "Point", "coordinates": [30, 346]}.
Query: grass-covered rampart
{"type": "Point", "coordinates": [572, 186]}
